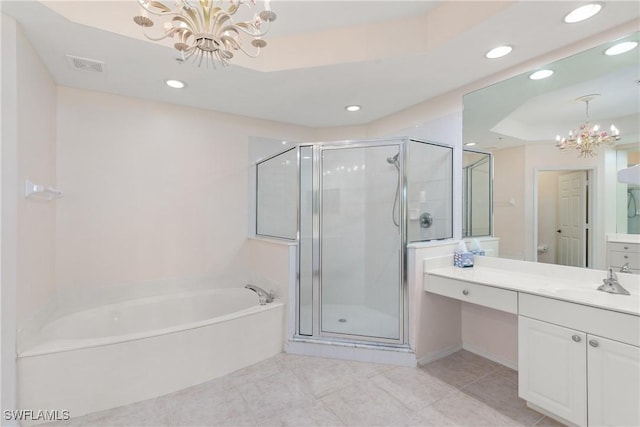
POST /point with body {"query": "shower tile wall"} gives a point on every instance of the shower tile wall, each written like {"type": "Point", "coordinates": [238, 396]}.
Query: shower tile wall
{"type": "Point", "coordinates": [382, 235]}
{"type": "Point", "coordinates": [344, 179]}
{"type": "Point", "coordinates": [277, 196]}
{"type": "Point", "coordinates": [429, 191]}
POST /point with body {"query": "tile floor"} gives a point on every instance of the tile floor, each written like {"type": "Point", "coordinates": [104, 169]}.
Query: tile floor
{"type": "Point", "coordinates": [462, 389]}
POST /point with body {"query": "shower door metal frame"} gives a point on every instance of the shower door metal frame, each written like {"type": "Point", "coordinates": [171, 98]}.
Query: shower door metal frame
{"type": "Point", "coordinates": [316, 242]}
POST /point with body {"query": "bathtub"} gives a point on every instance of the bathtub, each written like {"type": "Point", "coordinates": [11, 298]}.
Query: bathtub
{"type": "Point", "coordinates": [122, 353]}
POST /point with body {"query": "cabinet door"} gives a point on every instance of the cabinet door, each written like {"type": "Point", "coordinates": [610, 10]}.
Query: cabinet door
{"type": "Point", "coordinates": [614, 382]}
{"type": "Point", "coordinates": [552, 367]}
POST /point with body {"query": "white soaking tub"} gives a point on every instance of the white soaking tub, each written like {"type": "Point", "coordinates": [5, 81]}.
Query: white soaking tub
{"type": "Point", "coordinates": [139, 349]}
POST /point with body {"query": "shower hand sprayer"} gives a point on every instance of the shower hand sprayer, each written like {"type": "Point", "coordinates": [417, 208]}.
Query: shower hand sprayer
{"type": "Point", "coordinates": [395, 162]}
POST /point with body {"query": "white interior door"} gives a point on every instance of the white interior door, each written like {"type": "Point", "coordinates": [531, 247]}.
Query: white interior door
{"type": "Point", "coordinates": [572, 215]}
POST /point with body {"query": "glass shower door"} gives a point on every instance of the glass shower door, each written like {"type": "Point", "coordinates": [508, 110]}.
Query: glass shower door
{"type": "Point", "coordinates": [361, 243]}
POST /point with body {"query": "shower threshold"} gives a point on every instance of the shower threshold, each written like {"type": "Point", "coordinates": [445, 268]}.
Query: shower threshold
{"type": "Point", "coordinates": [394, 354]}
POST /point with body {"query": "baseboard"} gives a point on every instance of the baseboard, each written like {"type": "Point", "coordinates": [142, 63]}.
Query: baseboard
{"type": "Point", "coordinates": [430, 357]}
{"type": "Point", "coordinates": [481, 352]}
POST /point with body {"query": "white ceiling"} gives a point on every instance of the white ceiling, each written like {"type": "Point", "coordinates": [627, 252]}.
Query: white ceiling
{"type": "Point", "coordinates": [309, 80]}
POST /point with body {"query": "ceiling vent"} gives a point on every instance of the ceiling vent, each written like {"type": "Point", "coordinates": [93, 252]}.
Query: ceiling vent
{"type": "Point", "coordinates": [85, 64]}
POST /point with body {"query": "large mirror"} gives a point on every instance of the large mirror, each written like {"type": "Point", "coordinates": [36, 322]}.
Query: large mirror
{"type": "Point", "coordinates": [476, 193]}
{"type": "Point", "coordinates": [517, 121]}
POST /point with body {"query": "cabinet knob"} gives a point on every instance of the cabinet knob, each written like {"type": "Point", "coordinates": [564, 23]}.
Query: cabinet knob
{"type": "Point", "coordinates": [576, 338]}
{"type": "Point", "coordinates": [593, 343]}
{"type": "Point", "coordinates": [626, 247]}
{"type": "Point", "coordinates": [465, 292]}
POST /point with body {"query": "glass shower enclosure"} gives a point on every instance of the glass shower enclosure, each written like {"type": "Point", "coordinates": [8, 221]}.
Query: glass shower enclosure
{"type": "Point", "coordinates": [352, 208]}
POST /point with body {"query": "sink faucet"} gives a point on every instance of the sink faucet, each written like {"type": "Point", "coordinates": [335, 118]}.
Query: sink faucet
{"type": "Point", "coordinates": [611, 285]}
{"type": "Point", "coordinates": [625, 268]}
{"type": "Point", "coordinates": [264, 297]}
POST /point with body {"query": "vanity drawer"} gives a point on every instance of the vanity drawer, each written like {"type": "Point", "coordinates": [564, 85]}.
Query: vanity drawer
{"type": "Point", "coordinates": [618, 259]}
{"type": "Point", "coordinates": [605, 323]}
{"type": "Point", "coordinates": [624, 247]}
{"type": "Point", "coordinates": [488, 296]}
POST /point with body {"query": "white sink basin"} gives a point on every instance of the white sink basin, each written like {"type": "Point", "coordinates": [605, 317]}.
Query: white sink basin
{"type": "Point", "coordinates": [596, 297]}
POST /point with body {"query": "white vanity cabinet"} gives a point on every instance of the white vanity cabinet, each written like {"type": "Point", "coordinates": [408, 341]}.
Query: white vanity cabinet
{"type": "Point", "coordinates": [551, 369]}
{"type": "Point", "coordinates": [613, 380]}
{"type": "Point", "coordinates": [579, 376]}
{"type": "Point", "coordinates": [578, 349]}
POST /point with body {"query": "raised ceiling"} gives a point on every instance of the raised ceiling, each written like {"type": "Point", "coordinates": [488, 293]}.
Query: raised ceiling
{"type": "Point", "coordinates": [322, 55]}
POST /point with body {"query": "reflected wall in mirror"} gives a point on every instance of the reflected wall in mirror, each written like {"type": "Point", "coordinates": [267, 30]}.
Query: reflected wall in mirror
{"type": "Point", "coordinates": [477, 182]}
{"type": "Point", "coordinates": [517, 120]}
{"type": "Point", "coordinates": [627, 195]}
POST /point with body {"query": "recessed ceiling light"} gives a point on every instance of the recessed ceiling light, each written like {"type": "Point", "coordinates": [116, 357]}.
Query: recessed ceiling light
{"type": "Point", "coordinates": [352, 108]}
{"type": "Point", "coordinates": [470, 144]}
{"type": "Point", "coordinates": [619, 48]}
{"type": "Point", "coordinates": [176, 84]}
{"type": "Point", "coordinates": [583, 12]}
{"type": "Point", "coordinates": [498, 52]}
{"type": "Point", "coordinates": [540, 74]}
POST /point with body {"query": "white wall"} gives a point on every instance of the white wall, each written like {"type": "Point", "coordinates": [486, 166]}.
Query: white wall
{"type": "Point", "coordinates": [548, 215]}
{"type": "Point", "coordinates": [8, 222]}
{"type": "Point", "coordinates": [36, 162]}
{"type": "Point", "coordinates": [152, 191]}
{"type": "Point", "coordinates": [28, 225]}
{"type": "Point", "coordinates": [509, 201]}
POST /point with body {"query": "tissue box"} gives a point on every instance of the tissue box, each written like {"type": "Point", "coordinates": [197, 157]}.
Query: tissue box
{"type": "Point", "coordinates": [463, 259]}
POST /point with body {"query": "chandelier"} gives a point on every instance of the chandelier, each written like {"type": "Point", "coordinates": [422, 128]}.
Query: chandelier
{"type": "Point", "coordinates": [588, 138]}
{"type": "Point", "coordinates": [205, 30]}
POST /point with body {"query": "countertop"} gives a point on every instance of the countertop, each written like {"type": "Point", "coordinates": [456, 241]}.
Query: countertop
{"type": "Point", "coordinates": [576, 289]}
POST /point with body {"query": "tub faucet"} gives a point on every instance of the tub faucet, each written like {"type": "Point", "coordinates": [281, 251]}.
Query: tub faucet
{"type": "Point", "coordinates": [611, 285]}
{"type": "Point", "coordinates": [263, 296]}
{"type": "Point", "coordinates": [625, 268]}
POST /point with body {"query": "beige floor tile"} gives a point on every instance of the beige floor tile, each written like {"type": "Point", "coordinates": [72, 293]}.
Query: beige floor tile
{"type": "Point", "coordinates": [137, 414]}
{"type": "Point", "coordinates": [364, 404]}
{"type": "Point", "coordinates": [323, 379]}
{"type": "Point", "coordinates": [549, 422]}
{"type": "Point", "coordinates": [499, 390]}
{"type": "Point", "coordinates": [204, 406]}
{"type": "Point", "coordinates": [256, 372]}
{"type": "Point", "coordinates": [414, 387]}
{"type": "Point", "coordinates": [462, 410]}
{"type": "Point", "coordinates": [460, 368]}
{"type": "Point", "coordinates": [277, 393]}
{"type": "Point", "coordinates": [296, 361]}
{"type": "Point", "coordinates": [290, 390]}
{"type": "Point", "coordinates": [312, 416]}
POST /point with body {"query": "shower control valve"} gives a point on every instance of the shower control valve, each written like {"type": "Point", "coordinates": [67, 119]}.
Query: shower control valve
{"type": "Point", "coordinates": [426, 219]}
